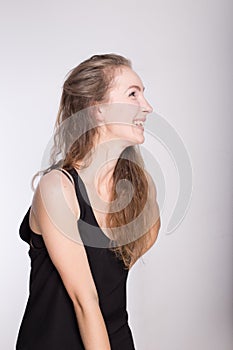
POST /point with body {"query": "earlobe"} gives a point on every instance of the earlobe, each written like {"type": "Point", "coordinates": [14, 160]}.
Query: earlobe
{"type": "Point", "coordinates": [99, 110]}
{"type": "Point", "coordinates": [99, 114]}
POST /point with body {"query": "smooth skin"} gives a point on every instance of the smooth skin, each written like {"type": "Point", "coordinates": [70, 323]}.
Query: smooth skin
{"type": "Point", "coordinates": [55, 211]}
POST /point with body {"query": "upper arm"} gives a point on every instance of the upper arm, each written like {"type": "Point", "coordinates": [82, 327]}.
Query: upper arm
{"type": "Point", "coordinates": [56, 210]}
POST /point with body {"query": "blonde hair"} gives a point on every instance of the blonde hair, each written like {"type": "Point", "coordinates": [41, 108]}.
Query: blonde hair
{"type": "Point", "coordinates": [85, 85]}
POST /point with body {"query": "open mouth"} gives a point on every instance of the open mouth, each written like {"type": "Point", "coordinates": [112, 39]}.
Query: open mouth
{"type": "Point", "coordinates": [139, 124]}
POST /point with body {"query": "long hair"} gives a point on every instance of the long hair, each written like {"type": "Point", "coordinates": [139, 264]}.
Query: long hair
{"type": "Point", "coordinates": [86, 85]}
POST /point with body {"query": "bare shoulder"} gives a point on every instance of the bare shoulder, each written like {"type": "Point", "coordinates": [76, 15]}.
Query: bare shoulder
{"type": "Point", "coordinates": [54, 208]}
{"type": "Point", "coordinates": [55, 189]}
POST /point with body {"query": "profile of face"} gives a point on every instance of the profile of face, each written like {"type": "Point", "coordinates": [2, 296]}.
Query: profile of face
{"type": "Point", "coordinates": [124, 114]}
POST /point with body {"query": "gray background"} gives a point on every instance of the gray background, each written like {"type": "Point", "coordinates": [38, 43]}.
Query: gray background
{"type": "Point", "coordinates": [181, 297]}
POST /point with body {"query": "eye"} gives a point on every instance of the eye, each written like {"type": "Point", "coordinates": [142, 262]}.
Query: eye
{"type": "Point", "coordinates": [133, 93]}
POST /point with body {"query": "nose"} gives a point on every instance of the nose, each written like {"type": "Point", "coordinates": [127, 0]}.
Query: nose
{"type": "Point", "coordinates": [146, 107]}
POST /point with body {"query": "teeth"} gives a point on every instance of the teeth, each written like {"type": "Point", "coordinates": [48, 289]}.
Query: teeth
{"type": "Point", "coordinates": [138, 122]}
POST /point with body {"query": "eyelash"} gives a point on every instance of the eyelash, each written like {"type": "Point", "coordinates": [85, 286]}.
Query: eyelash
{"type": "Point", "coordinates": [132, 94]}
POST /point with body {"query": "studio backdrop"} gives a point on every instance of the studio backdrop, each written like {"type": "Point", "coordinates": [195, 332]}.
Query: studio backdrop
{"type": "Point", "coordinates": [180, 292]}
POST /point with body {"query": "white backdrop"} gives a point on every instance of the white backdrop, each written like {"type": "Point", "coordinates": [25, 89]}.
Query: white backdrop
{"type": "Point", "coordinates": [181, 297]}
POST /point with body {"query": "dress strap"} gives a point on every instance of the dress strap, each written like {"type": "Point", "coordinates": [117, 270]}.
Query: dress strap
{"type": "Point", "coordinates": [71, 176]}
{"type": "Point", "coordinates": [93, 235]}
{"type": "Point", "coordinates": [65, 172]}
{"type": "Point", "coordinates": [80, 191]}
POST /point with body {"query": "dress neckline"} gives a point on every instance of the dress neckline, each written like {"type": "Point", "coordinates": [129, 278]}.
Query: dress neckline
{"type": "Point", "coordinates": [88, 202]}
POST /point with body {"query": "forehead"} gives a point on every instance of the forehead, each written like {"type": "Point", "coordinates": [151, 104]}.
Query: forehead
{"type": "Point", "coordinates": [126, 77]}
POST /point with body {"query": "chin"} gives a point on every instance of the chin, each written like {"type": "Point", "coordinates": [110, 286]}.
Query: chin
{"type": "Point", "coordinates": [138, 140]}
{"type": "Point", "coordinates": [141, 141]}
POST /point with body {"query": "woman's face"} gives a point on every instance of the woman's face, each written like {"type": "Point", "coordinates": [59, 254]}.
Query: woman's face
{"type": "Point", "coordinates": [126, 104]}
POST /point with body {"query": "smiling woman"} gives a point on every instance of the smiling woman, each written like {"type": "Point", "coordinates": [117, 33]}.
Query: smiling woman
{"type": "Point", "coordinates": [81, 254]}
{"type": "Point", "coordinates": [128, 91]}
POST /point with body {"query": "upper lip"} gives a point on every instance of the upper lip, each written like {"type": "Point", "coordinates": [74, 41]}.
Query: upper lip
{"type": "Point", "coordinates": [141, 119]}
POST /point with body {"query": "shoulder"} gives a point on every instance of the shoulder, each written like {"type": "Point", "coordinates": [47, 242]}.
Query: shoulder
{"type": "Point", "coordinates": [56, 177]}
{"type": "Point", "coordinates": [56, 188]}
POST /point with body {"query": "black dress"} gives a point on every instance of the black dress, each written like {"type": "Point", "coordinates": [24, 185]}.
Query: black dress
{"type": "Point", "coordinates": [49, 321]}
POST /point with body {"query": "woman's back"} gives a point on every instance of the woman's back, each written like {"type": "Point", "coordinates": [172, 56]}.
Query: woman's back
{"type": "Point", "coordinates": [49, 321]}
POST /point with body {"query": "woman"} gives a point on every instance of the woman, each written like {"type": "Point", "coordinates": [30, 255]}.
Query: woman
{"type": "Point", "coordinates": [93, 215]}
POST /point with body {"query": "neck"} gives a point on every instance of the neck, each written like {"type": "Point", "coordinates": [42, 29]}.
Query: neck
{"type": "Point", "coordinates": [104, 158]}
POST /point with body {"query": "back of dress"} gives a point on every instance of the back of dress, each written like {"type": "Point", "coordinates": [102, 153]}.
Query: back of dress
{"type": "Point", "coordinates": [49, 321]}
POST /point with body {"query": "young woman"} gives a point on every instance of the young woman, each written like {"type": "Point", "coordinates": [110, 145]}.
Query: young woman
{"type": "Point", "coordinates": [93, 215]}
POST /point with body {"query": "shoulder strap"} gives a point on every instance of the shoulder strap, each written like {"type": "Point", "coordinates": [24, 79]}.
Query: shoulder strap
{"type": "Point", "coordinates": [93, 236]}
{"type": "Point", "coordinates": [66, 173]}
{"type": "Point", "coordinates": [77, 182]}
{"type": "Point", "coordinates": [71, 177]}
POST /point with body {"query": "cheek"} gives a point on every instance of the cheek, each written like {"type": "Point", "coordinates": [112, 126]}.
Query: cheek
{"type": "Point", "coordinates": [119, 129]}
{"type": "Point", "coordinates": [121, 113]}
{"type": "Point", "coordinates": [123, 131]}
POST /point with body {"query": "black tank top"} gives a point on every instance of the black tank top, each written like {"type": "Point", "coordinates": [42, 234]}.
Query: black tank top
{"type": "Point", "coordinates": [49, 321]}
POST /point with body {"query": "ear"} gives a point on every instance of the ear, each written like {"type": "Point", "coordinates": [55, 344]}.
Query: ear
{"type": "Point", "coordinates": [99, 114]}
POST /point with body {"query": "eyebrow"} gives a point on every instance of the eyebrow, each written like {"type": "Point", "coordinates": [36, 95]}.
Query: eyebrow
{"type": "Point", "coordinates": [135, 87]}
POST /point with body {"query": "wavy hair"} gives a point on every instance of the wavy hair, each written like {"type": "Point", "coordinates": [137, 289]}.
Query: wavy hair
{"type": "Point", "coordinates": [87, 85]}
